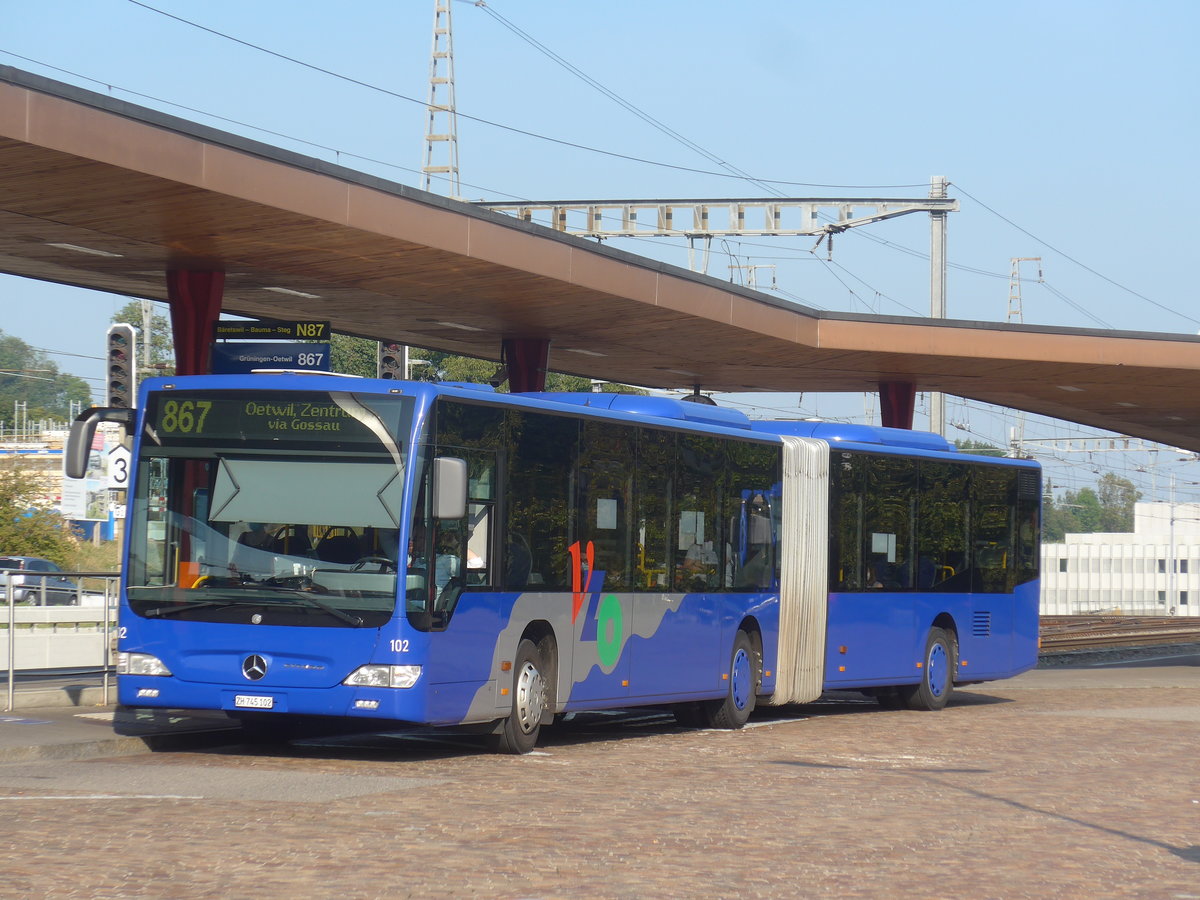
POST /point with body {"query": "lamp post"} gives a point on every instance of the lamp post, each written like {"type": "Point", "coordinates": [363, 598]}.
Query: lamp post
{"type": "Point", "coordinates": [1173, 551]}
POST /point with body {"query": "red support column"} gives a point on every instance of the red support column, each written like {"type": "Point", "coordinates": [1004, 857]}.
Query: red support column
{"type": "Point", "coordinates": [896, 402]}
{"type": "Point", "coordinates": [195, 299]}
{"type": "Point", "coordinates": [526, 359]}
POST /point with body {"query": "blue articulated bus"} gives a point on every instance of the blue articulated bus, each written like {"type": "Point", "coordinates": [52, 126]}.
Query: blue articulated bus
{"type": "Point", "coordinates": [375, 552]}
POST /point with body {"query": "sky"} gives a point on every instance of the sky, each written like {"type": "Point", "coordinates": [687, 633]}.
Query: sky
{"type": "Point", "coordinates": [1068, 131]}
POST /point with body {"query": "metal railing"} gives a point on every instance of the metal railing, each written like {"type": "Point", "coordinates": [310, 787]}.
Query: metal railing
{"type": "Point", "coordinates": [60, 628]}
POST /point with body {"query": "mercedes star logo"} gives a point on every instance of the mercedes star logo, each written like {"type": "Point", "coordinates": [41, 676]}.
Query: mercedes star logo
{"type": "Point", "coordinates": [254, 667]}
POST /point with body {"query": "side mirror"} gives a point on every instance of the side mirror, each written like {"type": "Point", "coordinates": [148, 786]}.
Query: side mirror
{"type": "Point", "coordinates": [83, 429]}
{"type": "Point", "coordinates": [449, 487]}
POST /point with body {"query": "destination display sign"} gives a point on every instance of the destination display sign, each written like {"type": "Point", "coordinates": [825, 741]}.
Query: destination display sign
{"type": "Point", "coordinates": [251, 418]}
{"type": "Point", "coordinates": [268, 329]}
{"type": "Point", "coordinates": [243, 357]}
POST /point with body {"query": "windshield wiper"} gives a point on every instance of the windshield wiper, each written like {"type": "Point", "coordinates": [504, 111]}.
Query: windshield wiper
{"type": "Point", "coordinates": [189, 604]}
{"type": "Point", "coordinates": [163, 612]}
{"type": "Point", "coordinates": [307, 597]}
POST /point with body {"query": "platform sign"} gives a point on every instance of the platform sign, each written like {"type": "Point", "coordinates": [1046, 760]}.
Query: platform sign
{"type": "Point", "coordinates": [243, 357]}
{"type": "Point", "coordinates": [266, 330]}
{"type": "Point", "coordinates": [118, 467]}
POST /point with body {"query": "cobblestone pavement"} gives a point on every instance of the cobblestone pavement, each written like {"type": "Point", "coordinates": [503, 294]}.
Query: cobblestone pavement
{"type": "Point", "coordinates": [1079, 784]}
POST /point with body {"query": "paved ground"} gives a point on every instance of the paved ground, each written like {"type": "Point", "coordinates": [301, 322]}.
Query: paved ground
{"type": "Point", "coordinates": [1061, 783]}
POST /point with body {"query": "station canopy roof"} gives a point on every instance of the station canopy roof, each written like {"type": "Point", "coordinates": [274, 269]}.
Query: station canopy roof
{"type": "Point", "coordinates": [102, 194]}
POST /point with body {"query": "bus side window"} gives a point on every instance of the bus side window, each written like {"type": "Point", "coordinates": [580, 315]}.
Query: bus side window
{"type": "Point", "coordinates": [889, 510]}
{"type": "Point", "coordinates": [479, 542]}
{"type": "Point", "coordinates": [753, 556]}
{"type": "Point", "coordinates": [845, 522]}
{"type": "Point", "coordinates": [699, 469]}
{"type": "Point", "coordinates": [654, 489]}
{"type": "Point", "coordinates": [604, 500]}
{"type": "Point", "coordinates": [942, 527]}
{"type": "Point", "coordinates": [754, 505]}
{"type": "Point", "coordinates": [538, 505]}
{"type": "Point", "coordinates": [993, 499]}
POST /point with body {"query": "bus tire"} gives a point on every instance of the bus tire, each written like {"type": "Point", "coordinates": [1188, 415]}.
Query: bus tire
{"type": "Point", "coordinates": [889, 698]}
{"type": "Point", "coordinates": [937, 673]}
{"type": "Point", "coordinates": [745, 677]}
{"type": "Point", "coordinates": [518, 732]}
{"type": "Point", "coordinates": [689, 715]}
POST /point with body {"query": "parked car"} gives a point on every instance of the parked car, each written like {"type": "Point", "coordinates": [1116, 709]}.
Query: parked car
{"type": "Point", "coordinates": [24, 576]}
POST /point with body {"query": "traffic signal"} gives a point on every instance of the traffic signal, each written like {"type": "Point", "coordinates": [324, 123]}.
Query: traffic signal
{"type": "Point", "coordinates": [391, 359]}
{"type": "Point", "coordinates": [121, 377]}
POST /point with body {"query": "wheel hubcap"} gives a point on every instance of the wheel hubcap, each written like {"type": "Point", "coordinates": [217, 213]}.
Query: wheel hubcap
{"type": "Point", "coordinates": [531, 697]}
{"type": "Point", "coordinates": [937, 667]}
{"type": "Point", "coordinates": [742, 679]}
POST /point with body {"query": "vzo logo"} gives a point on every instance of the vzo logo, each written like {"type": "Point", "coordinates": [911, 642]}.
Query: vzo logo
{"type": "Point", "coordinates": [604, 621]}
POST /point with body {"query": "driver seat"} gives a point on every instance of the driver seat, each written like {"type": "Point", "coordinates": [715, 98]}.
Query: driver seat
{"type": "Point", "coordinates": [340, 548]}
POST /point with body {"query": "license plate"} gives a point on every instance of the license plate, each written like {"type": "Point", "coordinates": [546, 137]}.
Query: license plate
{"type": "Point", "coordinates": [249, 701]}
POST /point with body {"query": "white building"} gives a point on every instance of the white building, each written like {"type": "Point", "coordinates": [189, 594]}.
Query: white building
{"type": "Point", "coordinates": [1155, 570]}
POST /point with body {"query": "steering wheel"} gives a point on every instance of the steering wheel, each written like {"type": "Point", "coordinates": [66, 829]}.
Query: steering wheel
{"type": "Point", "coordinates": [385, 564]}
{"type": "Point", "coordinates": [293, 582]}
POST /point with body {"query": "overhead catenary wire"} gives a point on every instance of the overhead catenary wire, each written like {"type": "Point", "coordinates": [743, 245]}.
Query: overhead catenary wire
{"type": "Point", "coordinates": [374, 160]}
{"type": "Point", "coordinates": [65, 353]}
{"type": "Point", "coordinates": [878, 293]}
{"type": "Point", "coordinates": [646, 117]}
{"type": "Point", "coordinates": [340, 152]}
{"type": "Point", "coordinates": [743, 176]}
{"type": "Point", "coordinates": [399, 96]}
{"type": "Point", "coordinates": [1072, 259]}
{"type": "Point", "coordinates": [337, 152]}
{"type": "Point", "coordinates": [883, 242]}
{"type": "Point", "coordinates": [1079, 308]}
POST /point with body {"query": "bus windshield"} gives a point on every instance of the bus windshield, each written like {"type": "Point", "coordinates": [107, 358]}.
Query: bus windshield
{"type": "Point", "coordinates": [269, 508]}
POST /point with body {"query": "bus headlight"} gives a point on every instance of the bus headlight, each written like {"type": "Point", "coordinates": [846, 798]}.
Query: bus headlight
{"type": "Point", "coordinates": [384, 676]}
{"type": "Point", "coordinates": [140, 664]}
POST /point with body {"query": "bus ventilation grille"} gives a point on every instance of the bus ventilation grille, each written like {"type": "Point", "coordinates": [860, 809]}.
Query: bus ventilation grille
{"type": "Point", "coordinates": [1028, 483]}
{"type": "Point", "coordinates": [981, 624]}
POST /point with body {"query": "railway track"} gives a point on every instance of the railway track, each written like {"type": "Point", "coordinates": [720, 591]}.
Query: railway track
{"type": "Point", "coordinates": [1061, 634]}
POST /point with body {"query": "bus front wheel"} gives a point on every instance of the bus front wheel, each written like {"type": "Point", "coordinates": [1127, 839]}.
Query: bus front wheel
{"type": "Point", "coordinates": [937, 673]}
{"type": "Point", "coordinates": [745, 676]}
{"type": "Point", "coordinates": [518, 733]}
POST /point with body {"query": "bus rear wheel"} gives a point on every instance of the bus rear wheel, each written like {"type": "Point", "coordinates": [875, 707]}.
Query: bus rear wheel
{"type": "Point", "coordinates": [745, 676]}
{"type": "Point", "coordinates": [937, 673]}
{"type": "Point", "coordinates": [518, 733]}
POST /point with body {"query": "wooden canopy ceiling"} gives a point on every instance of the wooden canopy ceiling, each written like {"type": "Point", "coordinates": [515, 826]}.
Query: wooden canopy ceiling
{"type": "Point", "coordinates": [104, 195]}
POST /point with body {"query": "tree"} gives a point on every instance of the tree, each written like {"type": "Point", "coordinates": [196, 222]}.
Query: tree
{"type": "Point", "coordinates": [449, 367]}
{"type": "Point", "coordinates": [162, 340]}
{"type": "Point", "coordinates": [359, 356]}
{"type": "Point", "coordinates": [1057, 521]}
{"type": "Point", "coordinates": [439, 366]}
{"type": "Point", "coordinates": [27, 375]}
{"type": "Point", "coordinates": [1085, 511]}
{"type": "Point", "coordinates": [1117, 496]}
{"type": "Point", "coordinates": [1109, 508]}
{"type": "Point", "coordinates": [978, 448]}
{"type": "Point", "coordinates": [353, 355]}
{"type": "Point", "coordinates": [1086, 505]}
{"type": "Point", "coordinates": [26, 527]}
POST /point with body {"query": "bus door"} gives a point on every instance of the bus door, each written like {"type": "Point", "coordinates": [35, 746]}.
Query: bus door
{"type": "Point", "coordinates": [452, 571]}
{"type": "Point", "coordinates": [682, 494]}
{"type": "Point", "coordinates": [872, 604]}
{"type": "Point", "coordinates": [602, 564]}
